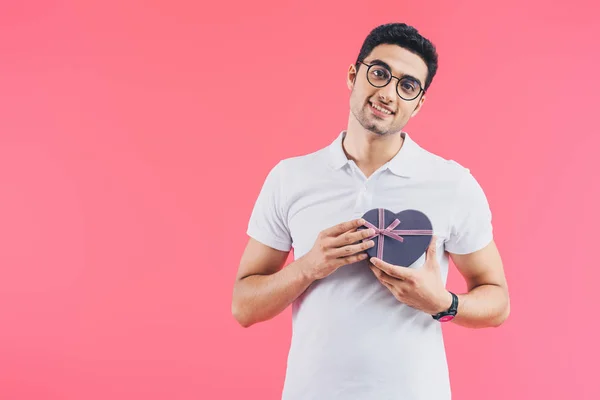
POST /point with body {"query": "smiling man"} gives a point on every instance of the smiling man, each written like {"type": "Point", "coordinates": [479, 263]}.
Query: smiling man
{"type": "Point", "coordinates": [363, 328]}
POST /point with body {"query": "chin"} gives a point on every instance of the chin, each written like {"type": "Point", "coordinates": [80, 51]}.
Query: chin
{"type": "Point", "coordinates": [373, 125]}
{"type": "Point", "coordinates": [376, 128]}
{"type": "Point", "coordinates": [377, 131]}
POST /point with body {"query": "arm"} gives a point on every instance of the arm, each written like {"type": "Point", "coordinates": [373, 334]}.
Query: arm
{"type": "Point", "coordinates": [487, 303]}
{"type": "Point", "coordinates": [263, 289]}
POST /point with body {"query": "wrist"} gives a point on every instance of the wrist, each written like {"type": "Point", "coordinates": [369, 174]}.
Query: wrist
{"type": "Point", "coordinates": [449, 313]}
{"type": "Point", "coordinates": [304, 270]}
{"type": "Point", "coordinates": [444, 303]}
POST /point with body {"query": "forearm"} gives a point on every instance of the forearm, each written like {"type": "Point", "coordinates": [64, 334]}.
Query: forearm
{"type": "Point", "coordinates": [258, 298]}
{"type": "Point", "coordinates": [483, 306]}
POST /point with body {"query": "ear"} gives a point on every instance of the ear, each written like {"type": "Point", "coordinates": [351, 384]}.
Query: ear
{"type": "Point", "coordinates": [351, 78]}
{"type": "Point", "coordinates": [419, 105]}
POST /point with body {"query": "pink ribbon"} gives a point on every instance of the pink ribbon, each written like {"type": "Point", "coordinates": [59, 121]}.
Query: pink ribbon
{"type": "Point", "coordinates": [381, 232]}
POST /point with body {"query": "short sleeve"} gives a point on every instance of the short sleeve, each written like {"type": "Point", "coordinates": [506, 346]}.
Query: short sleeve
{"type": "Point", "coordinates": [268, 223]}
{"type": "Point", "coordinates": [471, 221]}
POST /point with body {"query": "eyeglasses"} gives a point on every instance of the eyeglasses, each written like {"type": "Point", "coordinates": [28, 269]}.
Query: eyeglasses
{"type": "Point", "coordinates": [379, 76]}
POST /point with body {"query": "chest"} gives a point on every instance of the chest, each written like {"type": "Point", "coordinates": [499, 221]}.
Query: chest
{"type": "Point", "coordinates": [319, 206]}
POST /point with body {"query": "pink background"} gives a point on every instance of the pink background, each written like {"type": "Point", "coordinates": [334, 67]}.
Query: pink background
{"type": "Point", "coordinates": [135, 136]}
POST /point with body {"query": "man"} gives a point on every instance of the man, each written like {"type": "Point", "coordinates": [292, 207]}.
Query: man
{"type": "Point", "coordinates": [362, 328]}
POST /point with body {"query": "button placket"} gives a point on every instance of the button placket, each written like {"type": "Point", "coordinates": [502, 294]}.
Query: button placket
{"type": "Point", "coordinates": [363, 199]}
{"type": "Point", "coordinates": [365, 188]}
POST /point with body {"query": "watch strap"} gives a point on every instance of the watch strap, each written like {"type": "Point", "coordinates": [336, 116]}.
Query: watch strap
{"type": "Point", "coordinates": [451, 311]}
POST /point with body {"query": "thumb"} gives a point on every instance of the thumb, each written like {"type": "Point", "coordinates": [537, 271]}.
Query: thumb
{"type": "Point", "coordinates": [430, 256]}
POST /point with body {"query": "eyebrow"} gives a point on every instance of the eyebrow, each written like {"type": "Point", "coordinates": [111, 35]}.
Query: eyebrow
{"type": "Point", "coordinates": [386, 65]}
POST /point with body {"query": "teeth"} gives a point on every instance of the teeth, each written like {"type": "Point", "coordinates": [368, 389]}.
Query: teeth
{"type": "Point", "coordinates": [383, 110]}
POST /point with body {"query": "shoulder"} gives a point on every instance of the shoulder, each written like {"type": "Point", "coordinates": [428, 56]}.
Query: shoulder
{"type": "Point", "coordinates": [465, 190]}
{"type": "Point", "coordinates": [435, 167]}
{"type": "Point", "coordinates": [305, 164]}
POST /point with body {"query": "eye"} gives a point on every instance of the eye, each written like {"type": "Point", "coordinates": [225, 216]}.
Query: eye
{"type": "Point", "coordinates": [409, 86]}
{"type": "Point", "coordinates": [380, 73]}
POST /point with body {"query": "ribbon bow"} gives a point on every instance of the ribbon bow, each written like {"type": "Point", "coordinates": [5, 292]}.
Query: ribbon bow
{"type": "Point", "coordinates": [381, 231]}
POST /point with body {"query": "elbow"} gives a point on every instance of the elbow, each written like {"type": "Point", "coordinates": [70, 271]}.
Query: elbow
{"type": "Point", "coordinates": [503, 317]}
{"type": "Point", "coordinates": [240, 310]}
{"type": "Point", "coordinates": [240, 316]}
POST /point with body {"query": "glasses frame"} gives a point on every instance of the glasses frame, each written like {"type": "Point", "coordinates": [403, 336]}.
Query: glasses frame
{"type": "Point", "coordinates": [369, 66]}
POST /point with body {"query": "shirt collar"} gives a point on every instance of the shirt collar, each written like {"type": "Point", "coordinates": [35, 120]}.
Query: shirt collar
{"type": "Point", "coordinates": [404, 163]}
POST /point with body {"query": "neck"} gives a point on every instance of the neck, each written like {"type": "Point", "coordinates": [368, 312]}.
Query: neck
{"type": "Point", "coordinates": [368, 150]}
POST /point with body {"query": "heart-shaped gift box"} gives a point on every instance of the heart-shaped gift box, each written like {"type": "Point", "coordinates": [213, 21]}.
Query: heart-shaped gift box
{"type": "Point", "coordinates": [400, 238]}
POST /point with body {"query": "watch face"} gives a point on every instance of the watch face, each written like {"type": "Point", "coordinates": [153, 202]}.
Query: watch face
{"type": "Point", "coordinates": [446, 318]}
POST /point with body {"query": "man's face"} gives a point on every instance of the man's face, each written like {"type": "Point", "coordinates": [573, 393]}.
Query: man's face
{"type": "Point", "coordinates": [364, 97]}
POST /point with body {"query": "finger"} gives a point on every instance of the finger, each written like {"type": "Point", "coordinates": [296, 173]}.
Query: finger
{"type": "Point", "coordinates": [431, 249]}
{"type": "Point", "coordinates": [352, 249]}
{"type": "Point", "coordinates": [352, 237]}
{"type": "Point", "coordinates": [387, 285]}
{"type": "Point", "coordinates": [351, 259]}
{"type": "Point", "coordinates": [383, 277]}
{"type": "Point", "coordinates": [385, 281]}
{"type": "Point", "coordinates": [392, 270]}
{"type": "Point", "coordinates": [338, 229]}
{"type": "Point", "coordinates": [430, 256]}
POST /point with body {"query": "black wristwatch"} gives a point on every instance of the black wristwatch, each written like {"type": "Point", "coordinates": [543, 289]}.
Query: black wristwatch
{"type": "Point", "coordinates": [450, 313]}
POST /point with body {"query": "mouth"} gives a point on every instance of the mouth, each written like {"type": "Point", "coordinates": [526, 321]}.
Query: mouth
{"type": "Point", "coordinates": [380, 110]}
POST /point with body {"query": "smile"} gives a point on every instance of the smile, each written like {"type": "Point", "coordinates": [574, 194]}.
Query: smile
{"type": "Point", "coordinates": [380, 109]}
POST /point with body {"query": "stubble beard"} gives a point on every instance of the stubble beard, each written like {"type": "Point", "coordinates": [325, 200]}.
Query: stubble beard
{"type": "Point", "coordinates": [370, 122]}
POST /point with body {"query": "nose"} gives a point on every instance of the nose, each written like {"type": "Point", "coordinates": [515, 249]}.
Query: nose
{"type": "Point", "coordinates": [387, 94]}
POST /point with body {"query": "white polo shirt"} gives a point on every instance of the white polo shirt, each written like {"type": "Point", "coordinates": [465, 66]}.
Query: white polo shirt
{"type": "Point", "coordinates": [351, 338]}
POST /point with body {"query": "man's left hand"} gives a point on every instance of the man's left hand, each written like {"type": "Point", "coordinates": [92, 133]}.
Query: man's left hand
{"type": "Point", "coordinates": [421, 288]}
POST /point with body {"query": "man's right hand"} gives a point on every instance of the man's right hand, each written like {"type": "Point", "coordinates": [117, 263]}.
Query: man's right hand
{"type": "Point", "coordinates": [335, 247]}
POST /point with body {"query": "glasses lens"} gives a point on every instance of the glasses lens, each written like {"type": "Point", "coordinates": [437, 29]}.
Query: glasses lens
{"type": "Point", "coordinates": [378, 76]}
{"type": "Point", "coordinates": [408, 88]}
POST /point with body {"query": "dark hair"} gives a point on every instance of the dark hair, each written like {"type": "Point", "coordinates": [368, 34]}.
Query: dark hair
{"type": "Point", "coordinates": [404, 36]}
